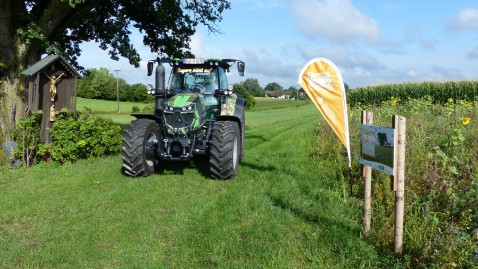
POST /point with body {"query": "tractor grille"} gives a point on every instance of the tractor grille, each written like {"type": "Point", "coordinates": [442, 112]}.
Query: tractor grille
{"type": "Point", "coordinates": [177, 120]}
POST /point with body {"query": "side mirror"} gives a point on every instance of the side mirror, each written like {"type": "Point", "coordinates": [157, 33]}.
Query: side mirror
{"type": "Point", "coordinates": [240, 68]}
{"type": "Point", "coordinates": [150, 67]}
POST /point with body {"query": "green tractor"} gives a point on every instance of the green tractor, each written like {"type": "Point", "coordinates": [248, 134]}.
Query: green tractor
{"type": "Point", "coordinates": [198, 114]}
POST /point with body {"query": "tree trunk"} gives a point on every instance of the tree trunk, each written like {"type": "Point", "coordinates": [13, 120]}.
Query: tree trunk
{"type": "Point", "coordinates": [14, 56]}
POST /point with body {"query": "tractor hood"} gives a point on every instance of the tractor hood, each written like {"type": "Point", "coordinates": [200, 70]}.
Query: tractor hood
{"type": "Point", "coordinates": [185, 99]}
{"type": "Point", "coordinates": [184, 113]}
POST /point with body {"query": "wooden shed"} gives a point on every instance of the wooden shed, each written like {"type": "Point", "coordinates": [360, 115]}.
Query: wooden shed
{"type": "Point", "coordinates": [52, 85]}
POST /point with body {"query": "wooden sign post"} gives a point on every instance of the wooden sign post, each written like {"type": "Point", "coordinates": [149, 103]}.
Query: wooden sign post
{"type": "Point", "coordinates": [383, 149]}
{"type": "Point", "coordinates": [367, 118]}
{"type": "Point", "coordinates": [399, 124]}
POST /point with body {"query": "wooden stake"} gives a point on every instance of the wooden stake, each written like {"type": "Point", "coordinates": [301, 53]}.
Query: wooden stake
{"type": "Point", "coordinates": [400, 185]}
{"type": "Point", "coordinates": [367, 118]}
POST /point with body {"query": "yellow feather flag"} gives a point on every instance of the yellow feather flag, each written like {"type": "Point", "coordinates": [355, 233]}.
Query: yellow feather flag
{"type": "Point", "coordinates": [322, 82]}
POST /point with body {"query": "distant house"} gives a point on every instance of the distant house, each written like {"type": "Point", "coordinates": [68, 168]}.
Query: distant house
{"type": "Point", "coordinates": [278, 94]}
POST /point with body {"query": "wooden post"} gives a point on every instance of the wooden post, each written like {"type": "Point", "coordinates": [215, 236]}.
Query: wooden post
{"type": "Point", "coordinates": [367, 118]}
{"type": "Point", "coordinates": [400, 123]}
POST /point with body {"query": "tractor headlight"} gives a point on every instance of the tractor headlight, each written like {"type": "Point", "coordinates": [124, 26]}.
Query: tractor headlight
{"type": "Point", "coordinates": [188, 108]}
{"type": "Point", "coordinates": [149, 89]}
{"type": "Point", "coordinates": [168, 108]}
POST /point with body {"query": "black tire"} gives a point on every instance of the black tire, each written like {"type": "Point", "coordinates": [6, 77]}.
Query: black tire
{"type": "Point", "coordinates": [138, 148]}
{"type": "Point", "coordinates": [224, 150]}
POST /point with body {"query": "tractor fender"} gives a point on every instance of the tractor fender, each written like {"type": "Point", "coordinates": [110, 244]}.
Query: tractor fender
{"type": "Point", "coordinates": [233, 111]}
{"type": "Point", "coordinates": [146, 116]}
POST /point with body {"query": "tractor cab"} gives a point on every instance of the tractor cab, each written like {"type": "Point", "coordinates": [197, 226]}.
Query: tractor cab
{"type": "Point", "coordinates": [204, 81]}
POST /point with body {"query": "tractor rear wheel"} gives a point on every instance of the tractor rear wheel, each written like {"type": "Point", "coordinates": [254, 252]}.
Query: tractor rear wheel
{"type": "Point", "coordinates": [225, 150]}
{"type": "Point", "coordinates": [139, 142]}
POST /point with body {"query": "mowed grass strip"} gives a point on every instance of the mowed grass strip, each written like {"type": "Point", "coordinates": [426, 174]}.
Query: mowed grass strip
{"type": "Point", "coordinates": [275, 214]}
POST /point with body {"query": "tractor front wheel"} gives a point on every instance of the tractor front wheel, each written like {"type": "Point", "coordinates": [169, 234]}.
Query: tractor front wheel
{"type": "Point", "coordinates": [225, 150]}
{"type": "Point", "coordinates": [139, 143]}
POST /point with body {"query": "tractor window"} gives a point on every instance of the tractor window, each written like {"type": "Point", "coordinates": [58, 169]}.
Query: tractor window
{"type": "Point", "coordinates": [200, 81]}
{"type": "Point", "coordinates": [222, 79]}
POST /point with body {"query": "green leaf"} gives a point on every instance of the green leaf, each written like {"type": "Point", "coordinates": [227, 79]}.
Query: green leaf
{"type": "Point", "coordinates": [453, 169]}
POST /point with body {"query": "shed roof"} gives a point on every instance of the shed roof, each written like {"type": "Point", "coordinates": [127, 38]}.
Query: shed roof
{"type": "Point", "coordinates": [45, 62]}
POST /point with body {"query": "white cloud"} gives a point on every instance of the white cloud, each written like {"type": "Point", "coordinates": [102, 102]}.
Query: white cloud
{"type": "Point", "coordinates": [342, 57]}
{"type": "Point", "coordinates": [467, 19]}
{"type": "Point", "coordinates": [269, 68]}
{"type": "Point", "coordinates": [197, 47]}
{"type": "Point", "coordinates": [335, 20]}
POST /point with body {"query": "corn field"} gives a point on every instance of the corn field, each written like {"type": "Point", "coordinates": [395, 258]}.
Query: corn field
{"type": "Point", "coordinates": [438, 92]}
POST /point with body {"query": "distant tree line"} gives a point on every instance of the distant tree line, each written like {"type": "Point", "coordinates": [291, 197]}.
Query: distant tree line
{"type": "Point", "coordinates": [101, 84]}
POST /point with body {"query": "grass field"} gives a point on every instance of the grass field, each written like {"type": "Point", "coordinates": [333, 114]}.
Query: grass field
{"type": "Point", "coordinates": [277, 213]}
{"type": "Point", "coordinates": [102, 106]}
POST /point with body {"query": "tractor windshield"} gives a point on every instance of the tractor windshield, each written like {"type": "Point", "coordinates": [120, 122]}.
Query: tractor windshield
{"type": "Point", "coordinates": [195, 80]}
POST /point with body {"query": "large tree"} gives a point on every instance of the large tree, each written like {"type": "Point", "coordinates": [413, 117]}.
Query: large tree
{"type": "Point", "coordinates": [253, 87]}
{"type": "Point", "coordinates": [273, 86]}
{"type": "Point", "coordinates": [30, 28]}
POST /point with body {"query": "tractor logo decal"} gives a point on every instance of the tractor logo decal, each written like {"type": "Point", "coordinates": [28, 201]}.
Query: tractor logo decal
{"type": "Point", "coordinates": [229, 106]}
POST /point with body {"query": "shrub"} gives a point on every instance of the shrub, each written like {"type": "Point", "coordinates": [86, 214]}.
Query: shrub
{"type": "Point", "coordinates": [81, 137]}
{"type": "Point", "coordinates": [27, 136]}
{"type": "Point", "coordinates": [250, 102]}
{"type": "Point", "coordinates": [135, 109]}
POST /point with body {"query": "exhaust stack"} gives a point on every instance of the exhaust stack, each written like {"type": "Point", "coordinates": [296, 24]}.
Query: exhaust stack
{"type": "Point", "coordinates": [160, 86]}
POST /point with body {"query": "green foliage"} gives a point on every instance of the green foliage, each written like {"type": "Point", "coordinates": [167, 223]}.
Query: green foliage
{"type": "Point", "coordinates": [273, 86]}
{"type": "Point", "coordinates": [439, 92]}
{"type": "Point", "coordinates": [98, 84]}
{"type": "Point", "coordinates": [82, 137]}
{"type": "Point", "coordinates": [252, 87]}
{"type": "Point", "coordinates": [346, 87]}
{"type": "Point", "coordinates": [441, 181]}
{"type": "Point", "coordinates": [109, 22]}
{"type": "Point", "coordinates": [242, 92]}
{"type": "Point", "coordinates": [101, 84]}
{"type": "Point", "coordinates": [135, 109]}
{"type": "Point", "coordinates": [137, 93]}
{"type": "Point", "coordinates": [27, 136]}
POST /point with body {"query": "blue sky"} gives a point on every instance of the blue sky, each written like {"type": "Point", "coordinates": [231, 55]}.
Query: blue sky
{"type": "Point", "coordinates": [371, 41]}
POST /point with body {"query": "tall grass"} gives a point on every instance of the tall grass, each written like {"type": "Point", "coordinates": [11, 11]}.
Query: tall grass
{"type": "Point", "coordinates": [441, 221]}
